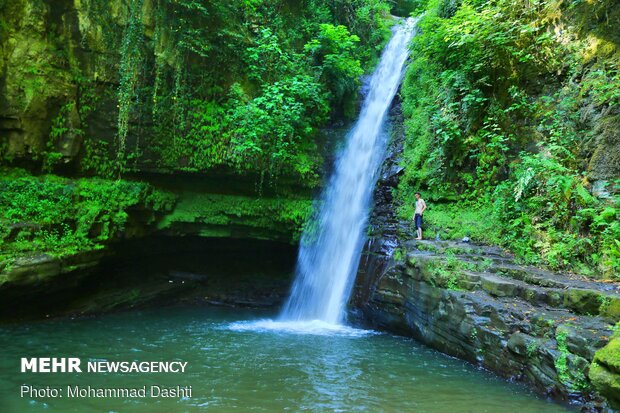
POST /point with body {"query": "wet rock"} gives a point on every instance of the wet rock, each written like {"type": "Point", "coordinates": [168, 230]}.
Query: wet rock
{"type": "Point", "coordinates": [532, 332]}
{"type": "Point", "coordinates": [29, 270]}
{"type": "Point", "coordinates": [519, 343]}
{"type": "Point", "coordinates": [38, 269]}
{"type": "Point", "coordinates": [498, 287]}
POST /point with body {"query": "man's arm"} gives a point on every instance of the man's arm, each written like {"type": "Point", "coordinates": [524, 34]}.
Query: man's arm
{"type": "Point", "coordinates": [423, 206]}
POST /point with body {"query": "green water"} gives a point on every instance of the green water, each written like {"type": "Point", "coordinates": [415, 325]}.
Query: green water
{"type": "Point", "coordinates": [234, 365]}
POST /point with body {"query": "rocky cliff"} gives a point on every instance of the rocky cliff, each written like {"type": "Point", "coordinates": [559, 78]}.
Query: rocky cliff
{"type": "Point", "coordinates": [557, 333]}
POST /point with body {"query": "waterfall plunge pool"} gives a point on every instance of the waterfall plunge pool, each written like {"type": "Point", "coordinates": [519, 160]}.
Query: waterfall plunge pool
{"type": "Point", "coordinates": [239, 361]}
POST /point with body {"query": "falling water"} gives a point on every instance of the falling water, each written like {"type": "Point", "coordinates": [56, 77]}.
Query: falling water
{"type": "Point", "coordinates": [329, 255]}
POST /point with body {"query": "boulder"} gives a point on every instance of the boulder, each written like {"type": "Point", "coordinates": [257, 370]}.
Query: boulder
{"type": "Point", "coordinates": [605, 372]}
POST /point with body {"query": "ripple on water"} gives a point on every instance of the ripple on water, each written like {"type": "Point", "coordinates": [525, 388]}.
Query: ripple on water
{"type": "Point", "coordinates": [312, 327]}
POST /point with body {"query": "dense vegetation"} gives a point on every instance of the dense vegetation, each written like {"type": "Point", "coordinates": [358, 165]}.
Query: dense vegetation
{"type": "Point", "coordinates": [507, 109]}
{"type": "Point", "coordinates": [214, 88]}
{"type": "Point", "coordinates": [63, 217]}
{"type": "Point", "coordinates": [504, 103]}
{"type": "Point", "coordinates": [288, 67]}
{"type": "Point", "coordinates": [242, 85]}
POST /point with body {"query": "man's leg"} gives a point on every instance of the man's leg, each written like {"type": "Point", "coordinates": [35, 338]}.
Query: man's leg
{"type": "Point", "coordinates": [418, 226]}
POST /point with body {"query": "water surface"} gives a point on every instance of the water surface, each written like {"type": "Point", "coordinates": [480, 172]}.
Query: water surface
{"type": "Point", "coordinates": [236, 364]}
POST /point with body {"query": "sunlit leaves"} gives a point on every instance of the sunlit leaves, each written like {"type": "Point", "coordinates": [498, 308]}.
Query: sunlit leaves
{"type": "Point", "coordinates": [335, 55]}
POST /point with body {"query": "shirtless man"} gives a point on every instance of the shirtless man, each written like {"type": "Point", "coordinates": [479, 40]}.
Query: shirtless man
{"type": "Point", "coordinates": [420, 207]}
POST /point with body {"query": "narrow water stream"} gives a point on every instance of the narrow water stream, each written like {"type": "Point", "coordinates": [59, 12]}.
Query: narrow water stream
{"type": "Point", "coordinates": [233, 369]}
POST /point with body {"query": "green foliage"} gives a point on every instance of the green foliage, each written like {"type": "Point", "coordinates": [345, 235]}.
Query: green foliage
{"type": "Point", "coordinates": [276, 127]}
{"type": "Point", "coordinates": [400, 254]}
{"type": "Point", "coordinates": [219, 213]}
{"type": "Point", "coordinates": [334, 54]}
{"type": "Point", "coordinates": [408, 7]}
{"type": "Point", "coordinates": [561, 362]}
{"type": "Point", "coordinates": [272, 132]}
{"type": "Point", "coordinates": [129, 72]}
{"type": "Point", "coordinates": [61, 126]}
{"type": "Point", "coordinates": [241, 86]}
{"type": "Point", "coordinates": [574, 379]}
{"type": "Point", "coordinates": [446, 273]}
{"type": "Point", "coordinates": [605, 302]}
{"type": "Point", "coordinates": [59, 216]}
{"type": "Point", "coordinates": [532, 348]}
{"type": "Point", "coordinates": [548, 212]}
{"type": "Point", "coordinates": [266, 59]}
{"type": "Point", "coordinates": [495, 103]}
{"type": "Point", "coordinates": [233, 86]}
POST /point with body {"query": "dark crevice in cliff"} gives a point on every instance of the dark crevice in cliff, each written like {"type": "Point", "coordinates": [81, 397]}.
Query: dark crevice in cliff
{"type": "Point", "coordinates": [161, 270]}
{"type": "Point", "coordinates": [383, 225]}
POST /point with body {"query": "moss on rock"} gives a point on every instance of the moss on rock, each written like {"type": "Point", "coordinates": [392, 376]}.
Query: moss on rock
{"type": "Point", "coordinates": [582, 301]}
{"type": "Point", "coordinates": [605, 371]}
{"type": "Point", "coordinates": [218, 215]}
{"type": "Point", "coordinates": [62, 217]}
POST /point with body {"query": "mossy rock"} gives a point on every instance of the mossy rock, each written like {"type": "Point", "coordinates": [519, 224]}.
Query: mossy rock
{"type": "Point", "coordinates": [610, 356]}
{"type": "Point", "coordinates": [582, 301]}
{"type": "Point", "coordinates": [499, 287]}
{"type": "Point", "coordinates": [605, 372]}
{"type": "Point", "coordinates": [611, 308]}
{"type": "Point", "coordinates": [216, 215]}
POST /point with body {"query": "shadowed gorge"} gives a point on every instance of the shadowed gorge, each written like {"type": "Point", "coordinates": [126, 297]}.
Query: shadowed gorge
{"type": "Point", "coordinates": [162, 270]}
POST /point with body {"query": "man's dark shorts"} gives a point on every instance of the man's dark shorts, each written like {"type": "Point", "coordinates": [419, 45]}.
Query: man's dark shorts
{"type": "Point", "coordinates": [418, 221]}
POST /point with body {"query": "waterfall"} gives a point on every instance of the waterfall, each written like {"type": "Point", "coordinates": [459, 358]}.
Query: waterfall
{"type": "Point", "coordinates": [329, 253]}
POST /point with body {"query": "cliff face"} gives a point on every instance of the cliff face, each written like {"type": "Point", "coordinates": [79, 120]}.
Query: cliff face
{"type": "Point", "coordinates": [93, 90]}
{"type": "Point", "coordinates": [555, 332]}
{"type": "Point", "coordinates": [548, 331]}
{"type": "Point", "coordinates": [219, 107]}
{"type": "Point", "coordinates": [50, 52]}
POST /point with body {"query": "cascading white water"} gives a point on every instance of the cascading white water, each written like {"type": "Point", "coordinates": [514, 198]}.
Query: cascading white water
{"type": "Point", "coordinates": [329, 255]}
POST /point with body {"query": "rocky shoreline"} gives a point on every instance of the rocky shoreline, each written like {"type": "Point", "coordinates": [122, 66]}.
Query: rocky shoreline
{"type": "Point", "coordinates": [556, 333]}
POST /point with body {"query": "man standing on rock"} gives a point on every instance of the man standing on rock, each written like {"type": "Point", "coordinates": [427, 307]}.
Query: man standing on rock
{"type": "Point", "coordinates": [420, 207]}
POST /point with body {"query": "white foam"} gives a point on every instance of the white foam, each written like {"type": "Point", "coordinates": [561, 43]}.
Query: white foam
{"type": "Point", "coordinates": [312, 327]}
